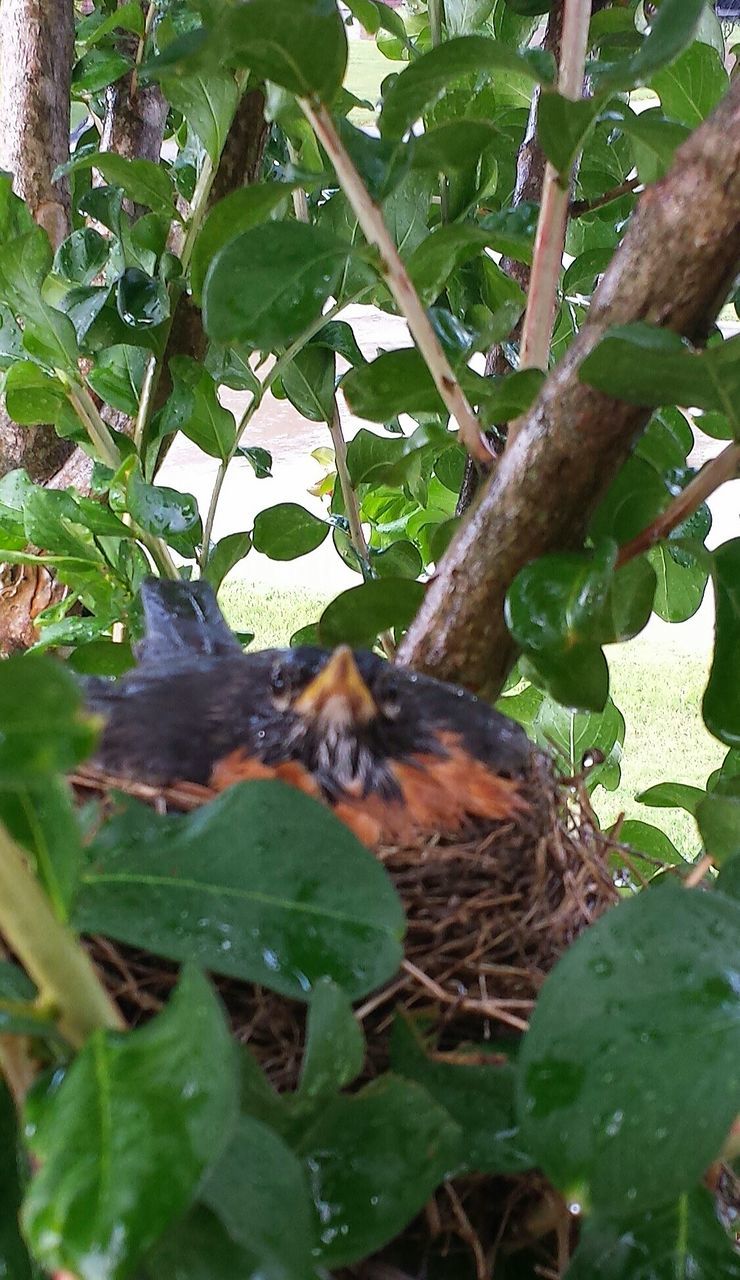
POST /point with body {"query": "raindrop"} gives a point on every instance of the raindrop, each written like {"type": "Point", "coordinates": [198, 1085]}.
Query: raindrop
{"type": "Point", "coordinates": [614, 1125]}
{"type": "Point", "coordinates": [575, 1208]}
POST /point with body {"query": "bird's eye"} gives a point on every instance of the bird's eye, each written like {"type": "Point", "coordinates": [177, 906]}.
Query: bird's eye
{"type": "Point", "coordinates": [279, 680]}
{"type": "Point", "coordinates": [390, 701]}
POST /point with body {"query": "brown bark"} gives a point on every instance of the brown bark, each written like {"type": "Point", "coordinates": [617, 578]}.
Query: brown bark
{"type": "Point", "coordinates": [674, 268]}
{"type": "Point", "coordinates": [135, 113]}
{"type": "Point", "coordinates": [530, 173]}
{"type": "Point", "coordinates": [36, 52]}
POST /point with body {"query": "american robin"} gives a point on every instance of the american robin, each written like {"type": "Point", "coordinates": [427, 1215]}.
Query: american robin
{"type": "Point", "coordinates": [397, 755]}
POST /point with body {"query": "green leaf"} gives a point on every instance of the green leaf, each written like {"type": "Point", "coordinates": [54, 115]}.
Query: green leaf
{"type": "Point", "coordinates": [82, 256]}
{"type": "Point", "coordinates": [142, 301]}
{"type": "Point", "coordinates": [394, 382]}
{"type": "Point", "coordinates": [644, 838]}
{"type": "Point", "coordinates": [127, 17]}
{"type": "Point", "coordinates": [285, 896]}
{"type": "Point", "coordinates": [237, 212]}
{"type": "Point", "coordinates": [31, 395]}
{"type": "Point", "coordinates": [480, 1099]}
{"type": "Point", "coordinates": [43, 729]}
{"type": "Point", "coordinates": [633, 500]}
{"type": "Point", "coordinates": [563, 125]}
{"type": "Point", "coordinates": [299, 44]}
{"type": "Point", "coordinates": [513, 230]}
{"type": "Point", "coordinates": [118, 376]}
{"type": "Point", "coordinates": [335, 1047]}
{"type": "Point", "coordinates": [443, 251]}
{"type": "Point", "coordinates": [208, 102]}
{"type": "Point", "coordinates": [425, 80]}
{"type": "Point", "coordinates": [14, 1260]}
{"type": "Point", "coordinates": [97, 69]}
{"type": "Point", "coordinates": [357, 616]}
{"type": "Point", "coordinates": [691, 89]}
{"type": "Point", "coordinates": [224, 556]}
{"type": "Point", "coordinates": [613, 1075]}
{"type": "Point", "coordinates": [102, 658]}
{"type": "Point", "coordinates": [286, 531]}
{"type": "Point", "coordinates": [266, 286]}
{"type": "Point", "coordinates": [48, 335]}
{"type": "Point", "coordinates": [374, 1159]}
{"type": "Point", "coordinates": [339, 336]}
{"type": "Point", "coordinates": [142, 181]}
{"type": "Point", "coordinates": [42, 818]}
{"type": "Point", "coordinates": [253, 1216]}
{"type": "Point", "coordinates": [160, 511]}
{"type": "Point", "coordinates": [728, 880]}
{"type": "Point", "coordinates": [683, 1239]}
{"type": "Point", "coordinates": [654, 138]}
{"type": "Point", "coordinates": [646, 365]}
{"type": "Point", "coordinates": [308, 382]}
{"type": "Point", "coordinates": [721, 705]}
{"type": "Point", "coordinates": [671, 30]}
{"type": "Point", "coordinates": [463, 16]}
{"type": "Point", "coordinates": [194, 409]}
{"type": "Point", "coordinates": [259, 459]}
{"type": "Point", "coordinates": [718, 816]}
{"type": "Point", "coordinates": [681, 584]}
{"type": "Point", "coordinates": [453, 145]}
{"type": "Point", "coordinates": [672, 795]}
{"type": "Point", "coordinates": [576, 735]}
{"type": "Point", "coordinates": [145, 1113]}
{"type": "Point", "coordinates": [400, 560]}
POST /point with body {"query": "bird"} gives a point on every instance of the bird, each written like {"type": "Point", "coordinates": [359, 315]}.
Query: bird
{"type": "Point", "coordinates": [397, 755]}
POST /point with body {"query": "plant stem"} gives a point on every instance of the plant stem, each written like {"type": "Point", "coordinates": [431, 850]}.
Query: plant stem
{"type": "Point", "coordinates": [579, 207]}
{"type": "Point", "coordinates": [436, 10]}
{"type": "Point", "coordinates": [160, 553]}
{"type": "Point", "coordinates": [550, 240]}
{"type": "Point", "coordinates": [726, 466]}
{"type": "Point", "coordinates": [397, 278]}
{"type": "Point", "coordinates": [50, 952]}
{"type": "Point", "coordinates": [87, 412]}
{"type": "Point", "coordinates": [148, 23]}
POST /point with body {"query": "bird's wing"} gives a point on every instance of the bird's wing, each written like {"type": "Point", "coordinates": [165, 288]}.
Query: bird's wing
{"type": "Point", "coordinates": [182, 619]}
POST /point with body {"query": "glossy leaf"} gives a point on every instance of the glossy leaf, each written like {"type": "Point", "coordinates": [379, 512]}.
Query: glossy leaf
{"type": "Point", "coordinates": [48, 335]}
{"type": "Point", "coordinates": [681, 583]}
{"type": "Point", "coordinates": [14, 1260]}
{"type": "Point", "coordinates": [237, 212]}
{"type": "Point", "coordinates": [718, 816]}
{"type": "Point", "coordinates": [562, 126]}
{"type": "Point", "coordinates": [253, 1216]}
{"type": "Point", "coordinates": [425, 80]}
{"type": "Point", "coordinates": [671, 30]}
{"type": "Point", "coordinates": [285, 897]}
{"type": "Point", "coordinates": [299, 44]}
{"type": "Point", "coordinates": [357, 616]}
{"type": "Point", "coordinates": [31, 395]}
{"type": "Point", "coordinates": [684, 1239]}
{"type": "Point", "coordinates": [609, 1076]}
{"type": "Point", "coordinates": [226, 554]}
{"type": "Point", "coordinates": [672, 795]}
{"type": "Point", "coordinates": [373, 1160]}
{"type": "Point", "coordinates": [308, 382]}
{"type": "Point", "coordinates": [721, 705]}
{"type": "Point", "coordinates": [259, 459]}
{"type": "Point", "coordinates": [691, 88]}
{"type": "Point", "coordinates": [394, 382]}
{"type": "Point", "coordinates": [118, 377]}
{"type": "Point", "coordinates": [43, 728]}
{"type": "Point", "coordinates": [208, 102]}
{"type": "Point", "coordinates": [267, 285]}
{"type": "Point", "coordinates": [97, 69]}
{"type": "Point", "coordinates": [653, 841]}
{"type": "Point", "coordinates": [142, 301]}
{"type": "Point", "coordinates": [194, 409]}
{"type": "Point", "coordinates": [479, 1098]}
{"type": "Point", "coordinates": [514, 230]}
{"type": "Point", "coordinates": [576, 735]}
{"type": "Point", "coordinates": [146, 1113]}
{"type": "Point", "coordinates": [287, 531]}
{"type": "Point", "coordinates": [161, 511]}
{"type": "Point", "coordinates": [335, 1045]}
{"type": "Point", "coordinates": [142, 181]}
{"type": "Point", "coordinates": [82, 256]}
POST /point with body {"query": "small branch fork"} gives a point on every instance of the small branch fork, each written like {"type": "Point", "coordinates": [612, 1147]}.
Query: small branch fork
{"type": "Point", "coordinates": [726, 466]}
{"type": "Point", "coordinates": [398, 280]}
{"type": "Point", "coordinates": [550, 239]}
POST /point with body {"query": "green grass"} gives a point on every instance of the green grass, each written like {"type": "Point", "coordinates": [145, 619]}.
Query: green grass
{"type": "Point", "coordinates": [367, 68]}
{"type": "Point", "coordinates": [657, 686]}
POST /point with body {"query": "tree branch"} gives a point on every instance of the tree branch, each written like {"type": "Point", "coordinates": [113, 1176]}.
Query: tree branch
{"type": "Point", "coordinates": [580, 207]}
{"type": "Point", "coordinates": [686, 231]}
{"type": "Point", "coordinates": [726, 466]}
{"type": "Point", "coordinates": [398, 280]}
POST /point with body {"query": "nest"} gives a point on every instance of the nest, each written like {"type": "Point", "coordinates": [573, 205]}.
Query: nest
{"type": "Point", "coordinates": [487, 919]}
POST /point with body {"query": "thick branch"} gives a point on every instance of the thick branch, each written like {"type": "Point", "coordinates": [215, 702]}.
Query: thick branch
{"type": "Point", "coordinates": [674, 268]}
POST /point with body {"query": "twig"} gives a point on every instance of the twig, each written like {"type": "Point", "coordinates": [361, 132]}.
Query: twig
{"type": "Point", "coordinates": [725, 466]}
{"type": "Point", "coordinates": [698, 872]}
{"type": "Point", "coordinates": [468, 1233]}
{"type": "Point", "coordinates": [87, 412]}
{"type": "Point", "coordinates": [148, 23]}
{"type": "Point", "coordinates": [578, 208]}
{"type": "Point", "coordinates": [485, 1008]}
{"type": "Point", "coordinates": [550, 240]}
{"type": "Point", "coordinates": [50, 952]}
{"type": "Point", "coordinates": [436, 12]}
{"type": "Point", "coordinates": [398, 280]}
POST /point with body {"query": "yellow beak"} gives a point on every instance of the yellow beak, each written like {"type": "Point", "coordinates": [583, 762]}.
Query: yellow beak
{"type": "Point", "coordinates": [338, 694]}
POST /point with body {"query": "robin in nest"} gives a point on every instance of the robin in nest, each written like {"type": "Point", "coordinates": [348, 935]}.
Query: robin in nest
{"type": "Point", "coordinates": [398, 756]}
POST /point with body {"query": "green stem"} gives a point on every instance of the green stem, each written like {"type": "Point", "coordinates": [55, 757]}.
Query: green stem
{"type": "Point", "coordinates": [160, 553]}
{"type": "Point", "coordinates": [49, 951]}
{"type": "Point", "coordinates": [436, 9]}
{"type": "Point", "coordinates": [87, 412]}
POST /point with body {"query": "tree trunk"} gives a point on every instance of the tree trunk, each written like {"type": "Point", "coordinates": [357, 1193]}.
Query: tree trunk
{"type": "Point", "coordinates": [674, 268]}
{"type": "Point", "coordinates": [36, 52]}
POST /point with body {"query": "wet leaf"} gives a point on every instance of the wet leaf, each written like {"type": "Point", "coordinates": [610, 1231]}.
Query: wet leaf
{"type": "Point", "coordinates": [718, 816]}
{"type": "Point", "coordinates": [118, 376]}
{"type": "Point", "coordinates": [285, 896]}
{"type": "Point", "coordinates": [575, 735]}
{"type": "Point", "coordinates": [237, 212]}
{"type": "Point", "coordinates": [14, 1260]}
{"type": "Point", "coordinates": [671, 30]}
{"type": "Point", "coordinates": [691, 88]}
{"type": "Point", "coordinates": [42, 819]}
{"type": "Point", "coordinates": [479, 1098]}
{"type": "Point", "coordinates": [286, 531]}
{"type": "Point", "coordinates": [31, 395]}
{"type": "Point", "coordinates": [146, 1113]}
{"type": "Point", "coordinates": [308, 382]}
{"type": "Point", "coordinates": [721, 705]}
{"type": "Point", "coordinates": [680, 1240]}
{"type": "Point", "coordinates": [222, 558]}
{"type": "Point", "coordinates": [672, 795]}
{"type": "Point", "coordinates": [208, 102]}
{"type": "Point", "coordinates": [142, 181]}
{"type": "Point", "coordinates": [267, 285]}
{"type": "Point", "coordinates": [194, 409]}
{"type": "Point", "coordinates": [48, 335]}
{"type": "Point", "coordinates": [299, 44]}
{"type": "Point", "coordinates": [161, 511]}
{"type": "Point", "coordinates": [141, 300]}
{"type": "Point", "coordinates": [260, 460]}
{"type": "Point", "coordinates": [335, 1045]}
{"type": "Point", "coordinates": [373, 1160]}
{"type": "Point", "coordinates": [357, 616]}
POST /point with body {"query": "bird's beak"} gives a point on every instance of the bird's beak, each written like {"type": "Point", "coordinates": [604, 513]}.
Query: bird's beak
{"type": "Point", "coordinates": [338, 694]}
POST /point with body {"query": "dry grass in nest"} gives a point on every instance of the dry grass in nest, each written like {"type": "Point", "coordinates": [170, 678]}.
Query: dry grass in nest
{"type": "Point", "coordinates": [487, 919]}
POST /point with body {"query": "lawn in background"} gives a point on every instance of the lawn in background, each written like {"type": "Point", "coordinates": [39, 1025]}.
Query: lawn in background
{"type": "Point", "coordinates": [656, 683]}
